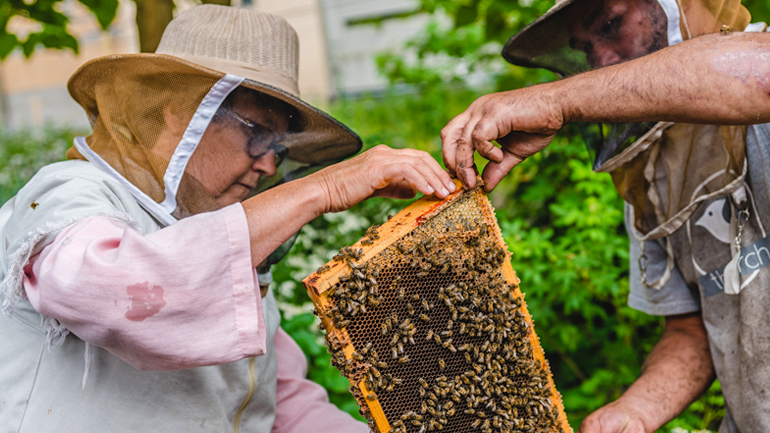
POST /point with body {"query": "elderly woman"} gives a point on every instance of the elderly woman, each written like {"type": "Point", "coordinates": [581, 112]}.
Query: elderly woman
{"type": "Point", "coordinates": [144, 244]}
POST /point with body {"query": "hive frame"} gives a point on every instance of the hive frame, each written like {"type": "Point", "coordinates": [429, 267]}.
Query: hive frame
{"type": "Point", "coordinates": [410, 218]}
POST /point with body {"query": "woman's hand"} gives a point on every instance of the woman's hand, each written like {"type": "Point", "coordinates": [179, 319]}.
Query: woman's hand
{"type": "Point", "coordinates": [278, 213]}
{"type": "Point", "coordinates": [522, 121]}
{"type": "Point", "coordinates": [382, 171]}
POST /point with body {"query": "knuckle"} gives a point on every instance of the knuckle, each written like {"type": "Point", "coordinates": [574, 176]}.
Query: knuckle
{"type": "Point", "coordinates": [464, 140]}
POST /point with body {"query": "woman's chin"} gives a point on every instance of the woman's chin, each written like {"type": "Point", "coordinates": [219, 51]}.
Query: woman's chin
{"type": "Point", "coordinates": [236, 193]}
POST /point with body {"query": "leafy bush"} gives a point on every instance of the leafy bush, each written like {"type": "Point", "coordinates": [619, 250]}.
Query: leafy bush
{"type": "Point", "coordinates": [24, 152]}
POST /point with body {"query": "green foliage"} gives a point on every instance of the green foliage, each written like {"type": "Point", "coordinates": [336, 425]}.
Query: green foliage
{"type": "Point", "coordinates": [24, 152]}
{"type": "Point", "coordinates": [52, 23]}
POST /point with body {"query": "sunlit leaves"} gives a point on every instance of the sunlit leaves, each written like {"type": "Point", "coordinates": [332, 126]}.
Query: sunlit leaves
{"type": "Point", "coordinates": [52, 24]}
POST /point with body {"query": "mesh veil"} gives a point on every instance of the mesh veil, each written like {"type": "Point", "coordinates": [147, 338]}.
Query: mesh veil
{"type": "Point", "coordinates": [140, 110]}
{"type": "Point", "coordinates": [135, 110]}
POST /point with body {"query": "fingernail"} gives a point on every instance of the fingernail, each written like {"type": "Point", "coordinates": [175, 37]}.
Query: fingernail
{"type": "Point", "coordinates": [452, 186]}
{"type": "Point", "coordinates": [444, 191]}
{"type": "Point", "coordinates": [430, 191]}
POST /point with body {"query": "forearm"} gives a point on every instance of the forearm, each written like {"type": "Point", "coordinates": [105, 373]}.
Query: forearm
{"type": "Point", "coordinates": [722, 79]}
{"type": "Point", "coordinates": [677, 371]}
{"type": "Point", "coordinates": [132, 293]}
{"type": "Point", "coordinates": [276, 214]}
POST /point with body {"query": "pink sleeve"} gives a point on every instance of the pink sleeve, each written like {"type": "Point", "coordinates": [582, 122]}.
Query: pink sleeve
{"type": "Point", "coordinates": [182, 297]}
{"type": "Point", "coordinates": [301, 405]}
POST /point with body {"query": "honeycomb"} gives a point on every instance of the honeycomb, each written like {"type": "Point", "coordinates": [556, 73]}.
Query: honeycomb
{"type": "Point", "coordinates": [424, 316]}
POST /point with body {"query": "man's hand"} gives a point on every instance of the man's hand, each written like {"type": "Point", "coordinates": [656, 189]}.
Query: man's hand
{"type": "Point", "coordinates": [385, 172]}
{"type": "Point", "coordinates": [677, 371]}
{"type": "Point", "coordinates": [616, 417]}
{"type": "Point", "coordinates": [712, 79]}
{"type": "Point", "coordinates": [522, 121]}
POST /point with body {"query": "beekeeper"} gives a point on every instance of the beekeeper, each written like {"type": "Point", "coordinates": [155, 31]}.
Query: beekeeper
{"type": "Point", "coordinates": [698, 190]}
{"type": "Point", "coordinates": [128, 272]}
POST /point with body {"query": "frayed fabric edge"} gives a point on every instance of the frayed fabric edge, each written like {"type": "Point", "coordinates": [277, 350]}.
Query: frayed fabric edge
{"type": "Point", "coordinates": [13, 290]}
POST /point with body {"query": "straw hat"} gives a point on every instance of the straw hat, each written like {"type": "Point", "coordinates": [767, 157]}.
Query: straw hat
{"type": "Point", "coordinates": [211, 41]}
{"type": "Point", "coordinates": [546, 34]}
{"type": "Point", "coordinates": [545, 42]}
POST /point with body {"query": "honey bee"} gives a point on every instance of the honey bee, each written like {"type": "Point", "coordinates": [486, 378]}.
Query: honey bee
{"type": "Point", "coordinates": [725, 30]}
{"type": "Point", "coordinates": [424, 318]}
{"type": "Point", "coordinates": [371, 396]}
{"type": "Point", "coordinates": [430, 335]}
{"type": "Point", "coordinates": [441, 364]}
{"type": "Point", "coordinates": [403, 360]}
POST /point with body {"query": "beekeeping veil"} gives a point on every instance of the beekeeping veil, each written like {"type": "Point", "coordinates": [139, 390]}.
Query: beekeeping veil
{"type": "Point", "coordinates": [663, 170]}
{"type": "Point", "coordinates": [135, 103]}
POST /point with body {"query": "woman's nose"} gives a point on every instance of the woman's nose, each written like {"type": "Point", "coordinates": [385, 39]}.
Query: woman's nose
{"type": "Point", "coordinates": [265, 165]}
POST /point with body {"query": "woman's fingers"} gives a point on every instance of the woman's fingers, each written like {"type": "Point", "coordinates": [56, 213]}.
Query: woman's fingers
{"type": "Point", "coordinates": [425, 176]}
{"type": "Point", "coordinates": [400, 190]}
{"type": "Point", "coordinates": [382, 171]}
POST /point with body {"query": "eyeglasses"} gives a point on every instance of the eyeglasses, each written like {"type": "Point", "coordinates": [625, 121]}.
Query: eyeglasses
{"type": "Point", "coordinates": [261, 139]}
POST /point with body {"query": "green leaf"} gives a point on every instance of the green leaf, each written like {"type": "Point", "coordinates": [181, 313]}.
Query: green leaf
{"type": "Point", "coordinates": [466, 14]}
{"type": "Point", "coordinates": [495, 24]}
{"type": "Point", "coordinates": [8, 42]}
{"type": "Point", "coordinates": [104, 10]}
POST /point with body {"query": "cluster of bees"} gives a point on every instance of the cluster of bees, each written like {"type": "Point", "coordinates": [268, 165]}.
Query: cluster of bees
{"type": "Point", "coordinates": [441, 341]}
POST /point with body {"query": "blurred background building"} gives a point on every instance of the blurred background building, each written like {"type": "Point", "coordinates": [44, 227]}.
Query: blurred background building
{"type": "Point", "coordinates": [338, 43]}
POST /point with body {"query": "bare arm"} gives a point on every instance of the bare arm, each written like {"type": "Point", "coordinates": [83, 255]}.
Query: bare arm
{"type": "Point", "coordinates": [720, 79]}
{"type": "Point", "coordinates": [275, 215]}
{"type": "Point", "coordinates": [676, 372]}
{"type": "Point", "coordinates": [717, 79]}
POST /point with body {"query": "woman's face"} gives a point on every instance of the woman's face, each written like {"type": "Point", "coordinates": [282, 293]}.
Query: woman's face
{"type": "Point", "coordinates": [235, 151]}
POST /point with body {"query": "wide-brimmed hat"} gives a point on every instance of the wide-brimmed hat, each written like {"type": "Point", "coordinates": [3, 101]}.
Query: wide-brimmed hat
{"type": "Point", "coordinates": [544, 43]}
{"type": "Point", "coordinates": [211, 41]}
